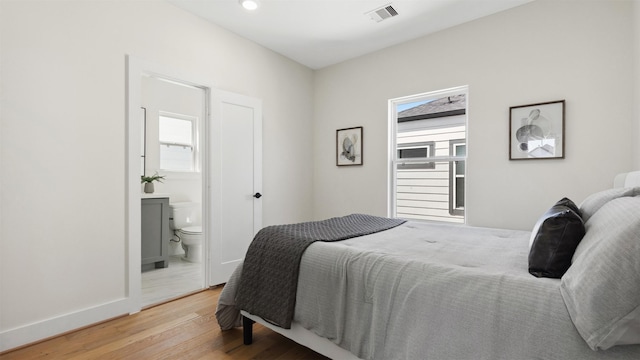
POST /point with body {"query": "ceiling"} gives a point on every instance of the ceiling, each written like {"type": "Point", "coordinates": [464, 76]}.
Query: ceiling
{"type": "Point", "coordinates": [319, 33]}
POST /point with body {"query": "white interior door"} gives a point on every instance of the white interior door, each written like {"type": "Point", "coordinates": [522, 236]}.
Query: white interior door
{"type": "Point", "coordinates": [236, 179]}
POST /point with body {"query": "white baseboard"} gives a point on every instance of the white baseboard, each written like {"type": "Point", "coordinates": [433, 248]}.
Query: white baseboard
{"type": "Point", "coordinates": [23, 335]}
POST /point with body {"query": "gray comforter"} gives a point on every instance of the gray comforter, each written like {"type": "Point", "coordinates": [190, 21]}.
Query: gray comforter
{"type": "Point", "coordinates": [428, 291]}
{"type": "Point", "coordinates": [270, 272]}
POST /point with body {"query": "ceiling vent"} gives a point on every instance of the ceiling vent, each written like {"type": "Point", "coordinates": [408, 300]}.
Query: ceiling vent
{"type": "Point", "coordinates": [382, 13]}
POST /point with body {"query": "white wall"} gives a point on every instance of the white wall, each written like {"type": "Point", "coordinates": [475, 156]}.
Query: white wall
{"type": "Point", "coordinates": [636, 96]}
{"type": "Point", "coordinates": [541, 51]}
{"type": "Point", "coordinates": [62, 230]}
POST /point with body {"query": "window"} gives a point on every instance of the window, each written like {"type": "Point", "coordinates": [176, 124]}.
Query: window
{"type": "Point", "coordinates": [428, 156]}
{"type": "Point", "coordinates": [177, 143]}
{"type": "Point", "coordinates": [457, 149]}
{"type": "Point", "coordinates": [422, 150]}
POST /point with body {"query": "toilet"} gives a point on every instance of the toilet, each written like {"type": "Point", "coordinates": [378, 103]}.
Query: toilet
{"type": "Point", "coordinates": [185, 222]}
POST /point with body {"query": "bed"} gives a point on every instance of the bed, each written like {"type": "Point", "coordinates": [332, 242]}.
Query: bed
{"type": "Point", "coordinates": [437, 291]}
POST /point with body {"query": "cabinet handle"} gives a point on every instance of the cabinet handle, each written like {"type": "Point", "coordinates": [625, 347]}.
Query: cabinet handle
{"type": "Point", "coordinates": [257, 195]}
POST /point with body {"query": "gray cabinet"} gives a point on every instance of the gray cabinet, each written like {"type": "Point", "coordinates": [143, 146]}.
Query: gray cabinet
{"type": "Point", "coordinates": [155, 233]}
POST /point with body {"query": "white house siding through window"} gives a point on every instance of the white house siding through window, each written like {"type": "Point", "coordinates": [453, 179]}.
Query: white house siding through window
{"type": "Point", "coordinates": [430, 160]}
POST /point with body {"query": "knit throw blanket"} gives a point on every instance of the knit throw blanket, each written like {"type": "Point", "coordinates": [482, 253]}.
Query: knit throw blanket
{"type": "Point", "coordinates": [269, 279]}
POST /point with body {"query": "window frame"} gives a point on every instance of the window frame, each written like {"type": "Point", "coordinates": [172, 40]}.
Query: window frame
{"type": "Point", "coordinates": [424, 163]}
{"type": "Point", "coordinates": [453, 176]}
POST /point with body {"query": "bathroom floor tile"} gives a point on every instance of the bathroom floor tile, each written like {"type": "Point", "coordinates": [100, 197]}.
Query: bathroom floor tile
{"type": "Point", "coordinates": [179, 278]}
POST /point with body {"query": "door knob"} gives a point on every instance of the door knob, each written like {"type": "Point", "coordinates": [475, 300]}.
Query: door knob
{"type": "Point", "coordinates": [257, 195]}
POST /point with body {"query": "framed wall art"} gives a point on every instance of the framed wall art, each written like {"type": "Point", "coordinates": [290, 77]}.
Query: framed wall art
{"type": "Point", "coordinates": [536, 131]}
{"type": "Point", "coordinates": [349, 146]}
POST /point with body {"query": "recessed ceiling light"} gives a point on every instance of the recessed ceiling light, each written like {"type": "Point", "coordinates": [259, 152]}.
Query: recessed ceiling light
{"type": "Point", "coordinates": [249, 4]}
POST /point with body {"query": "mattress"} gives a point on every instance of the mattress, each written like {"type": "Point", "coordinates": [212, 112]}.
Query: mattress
{"type": "Point", "coordinates": [433, 291]}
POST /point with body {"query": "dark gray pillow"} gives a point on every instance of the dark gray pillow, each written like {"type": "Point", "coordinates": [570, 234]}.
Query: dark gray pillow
{"type": "Point", "coordinates": [570, 204]}
{"type": "Point", "coordinates": [554, 240]}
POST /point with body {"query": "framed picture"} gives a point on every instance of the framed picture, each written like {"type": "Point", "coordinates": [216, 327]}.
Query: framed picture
{"type": "Point", "coordinates": [349, 146]}
{"type": "Point", "coordinates": [536, 131]}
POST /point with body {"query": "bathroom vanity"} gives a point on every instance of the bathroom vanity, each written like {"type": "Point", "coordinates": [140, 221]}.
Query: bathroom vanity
{"type": "Point", "coordinates": [155, 231]}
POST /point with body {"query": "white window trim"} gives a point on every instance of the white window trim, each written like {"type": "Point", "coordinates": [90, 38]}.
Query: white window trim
{"type": "Point", "coordinates": [453, 194]}
{"type": "Point", "coordinates": [418, 145]}
{"type": "Point", "coordinates": [412, 162]}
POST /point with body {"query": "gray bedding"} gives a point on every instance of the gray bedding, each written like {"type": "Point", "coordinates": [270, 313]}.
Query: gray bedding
{"type": "Point", "coordinates": [270, 272]}
{"type": "Point", "coordinates": [429, 291]}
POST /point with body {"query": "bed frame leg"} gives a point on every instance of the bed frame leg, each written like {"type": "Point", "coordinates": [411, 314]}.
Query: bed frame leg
{"type": "Point", "coordinates": [247, 330]}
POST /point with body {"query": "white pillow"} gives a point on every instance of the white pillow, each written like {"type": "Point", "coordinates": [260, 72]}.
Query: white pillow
{"type": "Point", "coordinates": [601, 288]}
{"type": "Point", "coordinates": [595, 201]}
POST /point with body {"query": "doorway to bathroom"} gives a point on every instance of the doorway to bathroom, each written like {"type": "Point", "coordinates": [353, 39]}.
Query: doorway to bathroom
{"type": "Point", "coordinates": [173, 116]}
{"type": "Point", "coordinates": [229, 144]}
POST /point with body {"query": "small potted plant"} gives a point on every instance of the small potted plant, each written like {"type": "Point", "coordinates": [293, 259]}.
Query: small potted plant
{"type": "Point", "coordinates": [148, 182]}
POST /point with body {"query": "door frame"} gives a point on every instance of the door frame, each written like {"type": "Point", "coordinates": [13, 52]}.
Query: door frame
{"type": "Point", "coordinates": [135, 69]}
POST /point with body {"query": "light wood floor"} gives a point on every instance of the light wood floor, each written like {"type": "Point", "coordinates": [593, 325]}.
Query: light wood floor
{"type": "Point", "coordinates": [182, 329]}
